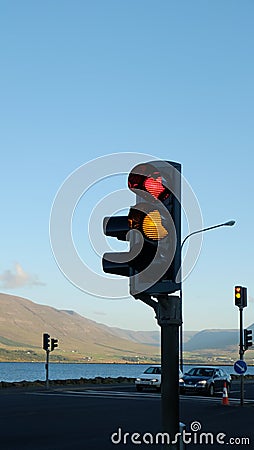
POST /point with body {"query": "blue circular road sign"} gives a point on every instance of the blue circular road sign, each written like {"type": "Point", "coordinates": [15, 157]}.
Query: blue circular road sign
{"type": "Point", "coordinates": [240, 366]}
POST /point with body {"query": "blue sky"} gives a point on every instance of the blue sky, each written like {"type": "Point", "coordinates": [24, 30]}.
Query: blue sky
{"type": "Point", "coordinates": [173, 79]}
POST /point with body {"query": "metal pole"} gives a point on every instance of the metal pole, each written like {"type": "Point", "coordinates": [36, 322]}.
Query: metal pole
{"type": "Point", "coordinates": [170, 383]}
{"type": "Point", "coordinates": [169, 319]}
{"type": "Point", "coordinates": [241, 353]}
{"type": "Point", "coordinates": [47, 369]}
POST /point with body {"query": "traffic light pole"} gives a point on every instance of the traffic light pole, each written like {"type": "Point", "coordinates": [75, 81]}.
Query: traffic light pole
{"type": "Point", "coordinates": [169, 317]}
{"type": "Point", "coordinates": [241, 353]}
{"type": "Point", "coordinates": [47, 369]}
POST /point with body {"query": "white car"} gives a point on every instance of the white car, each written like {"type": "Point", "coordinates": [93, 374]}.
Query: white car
{"type": "Point", "coordinates": [151, 377]}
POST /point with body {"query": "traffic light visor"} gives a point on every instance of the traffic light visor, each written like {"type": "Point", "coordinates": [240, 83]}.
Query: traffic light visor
{"type": "Point", "coordinates": [54, 344]}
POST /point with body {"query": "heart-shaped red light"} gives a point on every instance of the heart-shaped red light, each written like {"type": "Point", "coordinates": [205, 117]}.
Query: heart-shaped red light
{"type": "Point", "coordinates": [154, 186]}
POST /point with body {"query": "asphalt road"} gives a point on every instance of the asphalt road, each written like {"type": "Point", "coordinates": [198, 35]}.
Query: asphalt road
{"type": "Point", "coordinates": [88, 417]}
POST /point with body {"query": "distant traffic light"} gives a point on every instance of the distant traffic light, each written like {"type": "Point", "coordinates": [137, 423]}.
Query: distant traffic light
{"type": "Point", "coordinates": [45, 341]}
{"type": "Point", "coordinates": [240, 296]}
{"type": "Point", "coordinates": [247, 339]}
{"type": "Point", "coordinates": [54, 344]}
{"type": "Point", "coordinates": [153, 228]}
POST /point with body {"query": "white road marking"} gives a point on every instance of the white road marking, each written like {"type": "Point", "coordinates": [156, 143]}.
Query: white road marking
{"type": "Point", "coordinates": [92, 393]}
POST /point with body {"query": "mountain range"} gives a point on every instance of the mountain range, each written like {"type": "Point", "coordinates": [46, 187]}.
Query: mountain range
{"type": "Point", "coordinates": [22, 323]}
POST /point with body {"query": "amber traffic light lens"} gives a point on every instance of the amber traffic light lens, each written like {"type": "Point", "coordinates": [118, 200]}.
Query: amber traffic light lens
{"type": "Point", "coordinates": [149, 223]}
{"type": "Point", "coordinates": [152, 226]}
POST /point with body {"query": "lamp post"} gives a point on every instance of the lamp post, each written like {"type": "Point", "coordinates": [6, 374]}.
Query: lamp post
{"type": "Point", "coordinates": [230, 223]}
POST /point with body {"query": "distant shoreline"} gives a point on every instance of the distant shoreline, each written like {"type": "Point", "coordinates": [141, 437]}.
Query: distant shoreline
{"type": "Point", "coordinates": [143, 363]}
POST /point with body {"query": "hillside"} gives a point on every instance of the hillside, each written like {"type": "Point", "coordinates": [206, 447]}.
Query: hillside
{"type": "Point", "coordinates": [213, 339]}
{"type": "Point", "coordinates": [147, 337]}
{"type": "Point", "coordinates": [216, 346]}
{"type": "Point", "coordinates": [22, 323]}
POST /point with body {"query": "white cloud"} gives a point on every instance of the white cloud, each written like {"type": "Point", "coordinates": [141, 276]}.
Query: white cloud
{"type": "Point", "coordinates": [11, 279]}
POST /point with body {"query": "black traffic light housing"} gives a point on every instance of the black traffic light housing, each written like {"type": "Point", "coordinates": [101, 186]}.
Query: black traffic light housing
{"type": "Point", "coordinates": [153, 228]}
{"type": "Point", "coordinates": [240, 296]}
{"type": "Point", "coordinates": [247, 339]}
{"type": "Point", "coordinates": [54, 344]}
{"type": "Point", "coordinates": [157, 218]}
{"type": "Point", "coordinates": [45, 341]}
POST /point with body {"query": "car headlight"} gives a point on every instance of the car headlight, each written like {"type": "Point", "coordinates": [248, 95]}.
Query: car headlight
{"type": "Point", "coordinates": [181, 380]}
{"type": "Point", "coordinates": [154, 380]}
{"type": "Point", "coordinates": [202, 382]}
{"type": "Point", "coordinates": [138, 379]}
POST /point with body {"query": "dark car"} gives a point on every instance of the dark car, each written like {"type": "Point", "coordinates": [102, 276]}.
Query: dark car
{"type": "Point", "coordinates": [205, 379]}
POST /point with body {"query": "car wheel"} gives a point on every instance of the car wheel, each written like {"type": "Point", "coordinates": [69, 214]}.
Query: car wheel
{"type": "Point", "coordinates": [228, 387]}
{"type": "Point", "coordinates": [211, 390]}
{"type": "Point", "coordinates": [139, 388]}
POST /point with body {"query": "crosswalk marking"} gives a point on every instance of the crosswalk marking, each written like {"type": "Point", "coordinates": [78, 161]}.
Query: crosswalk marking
{"type": "Point", "coordinates": [92, 393]}
{"type": "Point", "coordinates": [114, 393]}
{"type": "Point", "coordinates": [103, 394]}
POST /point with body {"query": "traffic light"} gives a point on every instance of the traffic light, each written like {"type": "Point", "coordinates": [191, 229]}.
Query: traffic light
{"type": "Point", "coordinates": [45, 341]}
{"type": "Point", "coordinates": [240, 296]}
{"type": "Point", "coordinates": [157, 218]}
{"type": "Point", "coordinates": [54, 344]}
{"type": "Point", "coordinates": [247, 339]}
{"type": "Point", "coordinates": [153, 228]}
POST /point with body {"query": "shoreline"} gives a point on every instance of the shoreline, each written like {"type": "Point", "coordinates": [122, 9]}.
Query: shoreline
{"type": "Point", "coordinates": [137, 363]}
{"type": "Point", "coordinates": [80, 382]}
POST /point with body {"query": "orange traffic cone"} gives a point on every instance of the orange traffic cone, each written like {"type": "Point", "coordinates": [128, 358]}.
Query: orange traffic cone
{"type": "Point", "coordinates": [225, 400]}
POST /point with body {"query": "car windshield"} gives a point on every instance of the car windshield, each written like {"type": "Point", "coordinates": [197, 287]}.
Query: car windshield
{"type": "Point", "coordinates": [201, 372]}
{"type": "Point", "coordinates": [153, 370]}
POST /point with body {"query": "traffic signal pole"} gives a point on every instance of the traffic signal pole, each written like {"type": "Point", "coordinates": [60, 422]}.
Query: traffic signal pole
{"type": "Point", "coordinates": [48, 345]}
{"type": "Point", "coordinates": [47, 369]}
{"type": "Point", "coordinates": [169, 318]}
{"type": "Point", "coordinates": [241, 302]}
{"type": "Point", "coordinates": [45, 346]}
{"type": "Point", "coordinates": [152, 265]}
{"type": "Point", "coordinates": [241, 354]}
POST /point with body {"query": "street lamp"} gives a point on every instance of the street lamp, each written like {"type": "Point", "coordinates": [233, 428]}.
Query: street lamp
{"type": "Point", "coordinates": [230, 223]}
